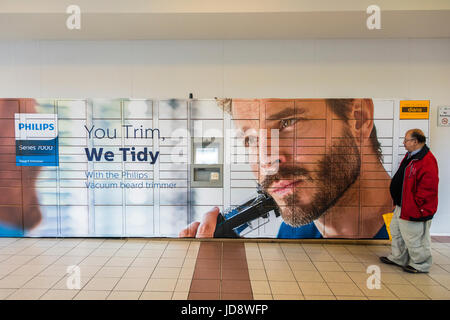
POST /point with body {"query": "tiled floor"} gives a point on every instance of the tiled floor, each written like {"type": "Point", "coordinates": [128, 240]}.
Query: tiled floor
{"type": "Point", "coordinates": [221, 272]}
{"type": "Point", "coordinates": [183, 269]}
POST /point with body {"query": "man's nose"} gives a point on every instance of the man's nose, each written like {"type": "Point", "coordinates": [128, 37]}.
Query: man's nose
{"type": "Point", "coordinates": [273, 152]}
{"type": "Point", "coordinates": [271, 162]}
{"type": "Point", "coordinates": [277, 157]}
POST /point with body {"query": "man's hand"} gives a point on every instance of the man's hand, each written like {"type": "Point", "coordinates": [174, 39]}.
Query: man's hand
{"type": "Point", "coordinates": [204, 229]}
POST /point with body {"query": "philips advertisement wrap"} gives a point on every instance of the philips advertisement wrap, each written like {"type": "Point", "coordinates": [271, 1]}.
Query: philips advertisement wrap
{"type": "Point", "coordinates": [253, 168]}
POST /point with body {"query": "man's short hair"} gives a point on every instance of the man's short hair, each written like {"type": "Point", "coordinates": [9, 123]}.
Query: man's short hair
{"type": "Point", "coordinates": [341, 107]}
{"type": "Point", "coordinates": [418, 135]}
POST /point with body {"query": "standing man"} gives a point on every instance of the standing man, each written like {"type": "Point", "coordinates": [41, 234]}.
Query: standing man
{"type": "Point", "coordinates": [414, 189]}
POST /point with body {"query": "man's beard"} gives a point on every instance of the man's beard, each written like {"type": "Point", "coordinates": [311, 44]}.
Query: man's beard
{"type": "Point", "coordinates": [337, 172]}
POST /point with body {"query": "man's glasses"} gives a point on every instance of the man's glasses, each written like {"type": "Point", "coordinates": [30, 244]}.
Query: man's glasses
{"type": "Point", "coordinates": [406, 140]}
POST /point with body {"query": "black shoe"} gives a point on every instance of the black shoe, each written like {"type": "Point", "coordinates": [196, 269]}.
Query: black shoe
{"type": "Point", "coordinates": [387, 261]}
{"type": "Point", "coordinates": [412, 270]}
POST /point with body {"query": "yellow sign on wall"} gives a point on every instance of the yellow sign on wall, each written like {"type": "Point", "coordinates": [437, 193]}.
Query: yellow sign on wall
{"type": "Point", "coordinates": [414, 109]}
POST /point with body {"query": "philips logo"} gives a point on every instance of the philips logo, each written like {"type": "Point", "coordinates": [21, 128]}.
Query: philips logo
{"type": "Point", "coordinates": [37, 126]}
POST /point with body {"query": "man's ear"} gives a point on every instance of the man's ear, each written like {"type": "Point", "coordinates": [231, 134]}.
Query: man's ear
{"type": "Point", "coordinates": [362, 112]}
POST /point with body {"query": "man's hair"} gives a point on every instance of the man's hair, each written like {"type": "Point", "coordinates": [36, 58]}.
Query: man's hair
{"type": "Point", "coordinates": [418, 135]}
{"type": "Point", "coordinates": [341, 107]}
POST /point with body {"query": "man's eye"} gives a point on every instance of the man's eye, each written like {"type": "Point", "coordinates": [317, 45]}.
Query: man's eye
{"type": "Point", "coordinates": [286, 123]}
{"type": "Point", "coordinates": [251, 141]}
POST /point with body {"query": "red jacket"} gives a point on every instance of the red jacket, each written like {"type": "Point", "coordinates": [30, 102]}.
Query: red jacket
{"type": "Point", "coordinates": [420, 187]}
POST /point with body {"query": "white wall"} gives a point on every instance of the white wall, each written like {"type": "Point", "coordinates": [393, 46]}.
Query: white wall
{"type": "Point", "coordinates": [393, 68]}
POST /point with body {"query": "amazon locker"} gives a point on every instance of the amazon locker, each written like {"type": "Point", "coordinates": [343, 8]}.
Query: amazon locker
{"type": "Point", "coordinates": [274, 168]}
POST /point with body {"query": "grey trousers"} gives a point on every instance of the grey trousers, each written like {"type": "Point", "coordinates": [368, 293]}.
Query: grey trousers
{"type": "Point", "coordinates": [411, 242]}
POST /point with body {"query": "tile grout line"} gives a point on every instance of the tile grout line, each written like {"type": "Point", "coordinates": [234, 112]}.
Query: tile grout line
{"type": "Point", "coordinates": [117, 249]}
{"type": "Point", "coordinates": [101, 266]}
{"type": "Point", "coordinates": [106, 298]}
{"type": "Point", "coordinates": [320, 272]}
{"type": "Point", "coordinates": [217, 253]}
{"type": "Point", "coordinates": [384, 284]}
{"type": "Point", "coordinates": [81, 288]}
{"type": "Point", "coordinates": [290, 268]}
{"type": "Point", "coordinates": [46, 269]}
{"type": "Point", "coordinates": [33, 277]}
{"type": "Point", "coordinates": [265, 272]}
{"type": "Point", "coordinates": [146, 284]}
{"type": "Point", "coordinates": [316, 269]}
{"type": "Point", "coordinates": [184, 261]}
{"type": "Point", "coordinates": [347, 274]}
{"type": "Point", "coordinates": [18, 254]}
{"type": "Point", "coordinates": [356, 284]}
{"type": "Point", "coordinates": [195, 266]}
{"type": "Point", "coordinates": [247, 270]}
